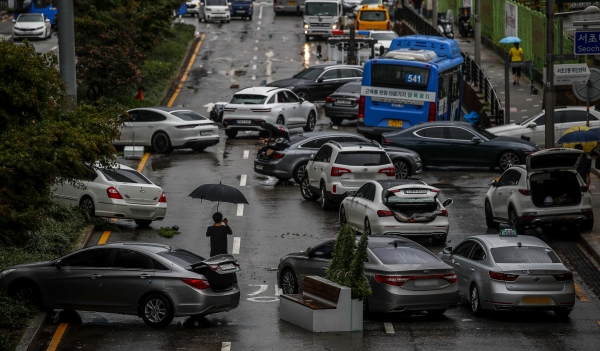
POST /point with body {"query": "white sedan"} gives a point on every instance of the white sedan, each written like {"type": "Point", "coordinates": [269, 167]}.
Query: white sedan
{"type": "Point", "coordinates": [31, 25]}
{"type": "Point", "coordinates": [250, 108]}
{"type": "Point", "coordinates": [168, 128]}
{"type": "Point", "coordinates": [119, 192]}
{"type": "Point", "coordinates": [403, 206]}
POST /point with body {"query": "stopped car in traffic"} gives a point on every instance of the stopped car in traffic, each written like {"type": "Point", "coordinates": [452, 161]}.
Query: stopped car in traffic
{"type": "Point", "coordinates": [31, 25]}
{"type": "Point", "coordinates": [251, 108]}
{"type": "Point", "coordinates": [242, 8]}
{"type": "Point", "coordinates": [153, 281]}
{"type": "Point", "coordinates": [403, 275]}
{"type": "Point", "coordinates": [343, 103]}
{"type": "Point", "coordinates": [192, 7]}
{"type": "Point", "coordinates": [287, 6]}
{"type": "Point", "coordinates": [460, 144]}
{"type": "Point", "coordinates": [546, 191]}
{"type": "Point", "coordinates": [373, 17]}
{"type": "Point", "coordinates": [119, 192]}
{"type": "Point", "coordinates": [214, 10]}
{"type": "Point", "coordinates": [168, 128]}
{"type": "Point", "coordinates": [406, 207]}
{"type": "Point", "coordinates": [511, 273]}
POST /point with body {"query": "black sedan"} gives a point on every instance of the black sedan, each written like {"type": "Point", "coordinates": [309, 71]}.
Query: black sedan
{"type": "Point", "coordinates": [343, 103]}
{"type": "Point", "coordinates": [461, 144]}
{"type": "Point", "coordinates": [317, 82]}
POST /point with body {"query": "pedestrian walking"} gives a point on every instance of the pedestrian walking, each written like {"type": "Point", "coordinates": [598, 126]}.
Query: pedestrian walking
{"type": "Point", "coordinates": [585, 166]}
{"type": "Point", "coordinates": [218, 235]}
{"type": "Point", "coordinates": [418, 4]}
{"type": "Point", "coordinates": [516, 55]}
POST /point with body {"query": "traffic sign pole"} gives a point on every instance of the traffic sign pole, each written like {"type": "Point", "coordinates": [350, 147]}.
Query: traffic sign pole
{"type": "Point", "coordinates": [549, 89]}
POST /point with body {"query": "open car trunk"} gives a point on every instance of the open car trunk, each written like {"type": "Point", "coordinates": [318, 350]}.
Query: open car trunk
{"type": "Point", "coordinates": [219, 271]}
{"type": "Point", "coordinates": [413, 208]}
{"type": "Point", "coordinates": [555, 189]}
{"type": "Point", "coordinates": [279, 140]}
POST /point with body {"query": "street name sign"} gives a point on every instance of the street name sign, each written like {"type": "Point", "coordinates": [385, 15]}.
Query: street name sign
{"type": "Point", "coordinates": [568, 74]}
{"type": "Point", "coordinates": [587, 42]}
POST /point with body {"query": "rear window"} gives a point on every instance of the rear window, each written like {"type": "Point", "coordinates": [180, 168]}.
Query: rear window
{"type": "Point", "coordinates": [248, 99]}
{"type": "Point", "coordinates": [372, 16]}
{"type": "Point", "coordinates": [181, 257]}
{"type": "Point", "coordinates": [398, 76]}
{"type": "Point", "coordinates": [362, 158]}
{"type": "Point", "coordinates": [524, 254]}
{"type": "Point", "coordinates": [189, 116]}
{"type": "Point", "coordinates": [350, 88]}
{"type": "Point", "coordinates": [124, 176]}
{"type": "Point", "coordinates": [404, 255]}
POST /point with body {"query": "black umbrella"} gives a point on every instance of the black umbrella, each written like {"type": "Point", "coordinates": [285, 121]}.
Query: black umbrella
{"type": "Point", "coordinates": [220, 193]}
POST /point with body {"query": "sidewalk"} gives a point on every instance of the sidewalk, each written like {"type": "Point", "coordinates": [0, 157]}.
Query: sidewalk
{"type": "Point", "coordinates": [6, 26]}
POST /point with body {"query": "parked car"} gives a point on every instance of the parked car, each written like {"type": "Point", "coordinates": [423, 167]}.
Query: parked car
{"type": "Point", "coordinates": [168, 128]}
{"type": "Point", "coordinates": [460, 144]}
{"type": "Point", "coordinates": [406, 207]}
{"type": "Point", "coordinates": [286, 6]}
{"type": "Point", "coordinates": [214, 10]}
{"type": "Point", "coordinates": [192, 7]}
{"type": "Point", "coordinates": [534, 127]}
{"type": "Point", "coordinates": [510, 273]}
{"type": "Point", "coordinates": [341, 167]}
{"type": "Point", "coordinates": [250, 108]}
{"type": "Point", "coordinates": [242, 8]}
{"type": "Point", "coordinates": [317, 82]}
{"type": "Point", "coordinates": [547, 190]}
{"type": "Point", "coordinates": [343, 103]}
{"type": "Point", "coordinates": [120, 192]}
{"type": "Point", "coordinates": [31, 25]}
{"type": "Point", "coordinates": [290, 162]}
{"type": "Point", "coordinates": [403, 275]}
{"type": "Point", "coordinates": [153, 281]}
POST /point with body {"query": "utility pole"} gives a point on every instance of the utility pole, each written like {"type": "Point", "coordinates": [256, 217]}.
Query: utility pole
{"type": "Point", "coordinates": [66, 50]}
{"type": "Point", "coordinates": [478, 32]}
{"type": "Point", "coordinates": [549, 89]}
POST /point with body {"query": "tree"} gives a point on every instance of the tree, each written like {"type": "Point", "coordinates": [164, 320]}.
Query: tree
{"type": "Point", "coordinates": [343, 252]}
{"type": "Point", "coordinates": [39, 142]}
{"type": "Point", "coordinates": [356, 279]}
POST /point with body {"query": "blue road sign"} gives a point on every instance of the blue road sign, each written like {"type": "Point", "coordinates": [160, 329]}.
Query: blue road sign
{"type": "Point", "coordinates": [587, 42]}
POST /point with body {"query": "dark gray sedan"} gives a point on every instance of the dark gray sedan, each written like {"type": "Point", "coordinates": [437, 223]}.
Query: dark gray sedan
{"type": "Point", "coordinates": [291, 162]}
{"type": "Point", "coordinates": [404, 275]}
{"type": "Point", "coordinates": [154, 281]}
{"type": "Point", "coordinates": [343, 103]}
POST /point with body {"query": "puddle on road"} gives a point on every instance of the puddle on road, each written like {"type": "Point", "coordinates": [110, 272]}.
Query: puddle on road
{"type": "Point", "coordinates": [161, 162]}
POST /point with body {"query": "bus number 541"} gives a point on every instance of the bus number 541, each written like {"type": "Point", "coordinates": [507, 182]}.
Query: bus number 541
{"type": "Point", "coordinates": [413, 78]}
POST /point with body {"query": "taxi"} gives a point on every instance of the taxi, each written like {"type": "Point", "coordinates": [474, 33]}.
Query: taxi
{"type": "Point", "coordinates": [373, 17]}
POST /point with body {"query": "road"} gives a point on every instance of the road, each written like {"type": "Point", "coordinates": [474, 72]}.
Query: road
{"type": "Point", "coordinates": [278, 221]}
{"type": "Point", "coordinates": [40, 45]}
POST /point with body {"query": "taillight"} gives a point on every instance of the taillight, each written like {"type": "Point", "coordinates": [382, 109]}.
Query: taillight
{"type": "Point", "coordinates": [584, 188]}
{"type": "Point", "coordinates": [525, 191]}
{"type": "Point", "coordinates": [384, 213]}
{"type": "Point", "coordinates": [503, 277]}
{"type": "Point", "coordinates": [387, 141]}
{"type": "Point", "coordinates": [361, 109]}
{"type": "Point", "coordinates": [390, 172]}
{"type": "Point", "coordinates": [563, 277]}
{"type": "Point", "coordinates": [587, 211]}
{"type": "Point", "coordinates": [113, 193]}
{"type": "Point", "coordinates": [396, 280]}
{"type": "Point", "coordinates": [163, 198]}
{"type": "Point", "coordinates": [334, 189]}
{"type": "Point", "coordinates": [451, 278]}
{"type": "Point", "coordinates": [214, 267]}
{"type": "Point", "coordinates": [443, 213]}
{"type": "Point", "coordinates": [197, 283]}
{"type": "Point", "coordinates": [329, 99]}
{"type": "Point", "coordinates": [188, 126]}
{"type": "Point", "coordinates": [277, 155]}
{"type": "Point", "coordinates": [389, 25]}
{"type": "Point", "coordinates": [432, 110]}
{"type": "Point", "coordinates": [434, 190]}
{"type": "Point", "coordinates": [337, 171]}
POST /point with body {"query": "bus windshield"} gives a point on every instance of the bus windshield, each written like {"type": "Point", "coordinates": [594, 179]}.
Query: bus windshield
{"type": "Point", "coordinates": [398, 76]}
{"type": "Point", "coordinates": [320, 9]}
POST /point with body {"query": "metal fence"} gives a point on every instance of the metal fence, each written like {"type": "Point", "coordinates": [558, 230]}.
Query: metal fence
{"type": "Point", "coordinates": [474, 74]}
{"type": "Point", "coordinates": [418, 23]}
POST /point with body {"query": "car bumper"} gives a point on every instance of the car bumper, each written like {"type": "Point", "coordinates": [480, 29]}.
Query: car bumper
{"type": "Point", "coordinates": [437, 229]}
{"type": "Point", "coordinates": [199, 143]}
{"type": "Point", "coordinates": [240, 13]}
{"type": "Point", "coordinates": [341, 112]}
{"type": "Point", "coordinates": [272, 169]}
{"type": "Point", "coordinates": [255, 123]}
{"type": "Point", "coordinates": [497, 297]}
{"type": "Point", "coordinates": [288, 8]}
{"type": "Point", "coordinates": [366, 130]}
{"type": "Point", "coordinates": [192, 302]}
{"type": "Point", "coordinates": [325, 31]}
{"type": "Point", "coordinates": [194, 11]}
{"type": "Point", "coordinates": [389, 298]}
{"type": "Point", "coordinates": [217, 16]}
{"type": "Point", "coordinates": [28, 34]}
{"type": "Point", "coordinates": [132, 211]}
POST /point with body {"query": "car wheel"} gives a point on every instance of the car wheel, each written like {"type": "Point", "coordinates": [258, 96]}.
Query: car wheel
{"type": "Point", "coordinates": [26, 291]}
{"type": "Point", "coordinates": [87, 204]}
{"type": "Point", "coordinates": [198, 148]}
{"type": "Point", "coordinates": [367, 226]}
{"type": "Point", "coordinates": [307, 194]}
{"type": "Point", "coordinates": [588, 224]}
{"type": "Point", "coordinates": [231, 133]}
{"type": "Point", "coordinates": [303, 94]}
{"type": "Point", "coordinates": [489, 216]}
{"type": "Point", "coordinates": [507, 159]}
{"type": "Point", "coordinates": [325, 203]}
{"type": "Point", "coordinates": [299, 172]}
{"type": "Point", "coordinates": [436, 313]}
{"type": "Point", "coordinates": [142, 222]}
{"type": "Point", "coordinates": [336, 120]}
{"type": "Point", "coordinates": [310, 122]}
{"type": "Point", "coordinates": [289, 283]}
{"type": "Point", "coordinates": [157, 311]}
{"type": "Point", "coordinates": [514, 222]}
{"type": "Point", "coordinates": [562, 313]}
{"type": "Point", "coordinates": [161, 143]}
{"type": "Point", "coordinates": [280, 120]}
{"type": "Point", "coordinates": [343, 219]}
{"type": "Point", "coordinates": [402, 169]}
{"type": "Point", "coordinates": [474, 301]}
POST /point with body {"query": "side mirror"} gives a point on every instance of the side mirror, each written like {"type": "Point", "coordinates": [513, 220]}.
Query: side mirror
{"type": "Point", "coordinates": [308, 251]}
{"type": "Point", "coordinates": [447, 250]}
{"type": "Point", "coordinates": [57, 264]}
{"type": "Point", "coordinates": [301, 100]}
{"type": "Point", "coordinates": [14, 21]}
{"type": "Point", "coordinates": [494, 183]}
{"type": "Point", "coordinates": [47, 20]}
{"type": "Point", "coordinates": [320, 79]}
{"type": "Point", "coordinates": [351, 193]}
{"type": "Point", "coordinates": [532, 125]}
{"type": "Point", "coordinates": [312, 157]}
{"type": "Point", "coordinates": [447, 202]}
{"type": "Point", "coordinates": [476, 140]}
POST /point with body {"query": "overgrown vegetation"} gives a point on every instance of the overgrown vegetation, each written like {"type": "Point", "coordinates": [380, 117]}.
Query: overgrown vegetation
{"type": "Point", "coordinates": [168, 232]}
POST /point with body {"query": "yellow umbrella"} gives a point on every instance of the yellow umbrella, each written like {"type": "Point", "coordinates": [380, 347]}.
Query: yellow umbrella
{"type": "Point", "coordinates": [587, 146]}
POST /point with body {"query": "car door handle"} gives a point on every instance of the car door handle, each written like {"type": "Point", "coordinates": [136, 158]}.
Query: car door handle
{"type": "Point", "coordinates": [151, 126]}
{"type": "Point", "coordinates": [94, 276]}
{"type": "Point", "coordinates": [144, 275]}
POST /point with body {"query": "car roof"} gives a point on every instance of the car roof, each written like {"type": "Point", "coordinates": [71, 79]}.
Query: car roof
{"type": "Point", "coordinates": [444, 123]}
{"type": "Point", "coordinates": [495, 240]}
{"type": "Point", "coordinates": [258, 90]}
{"type": "Point", "coordinates": [327, 66]}
{"type": "Point", "coordinates": [150, 247]}
{"type": "Point", "coordinates": [346, 146]}
{"type": "Point", "coordinates": [160, 108]}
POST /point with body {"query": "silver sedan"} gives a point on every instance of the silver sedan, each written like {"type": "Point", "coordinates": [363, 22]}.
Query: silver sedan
{"type": "Point", "coordinates": [506, 273]}
{"type": "Point", "coordinates": [154, 281]}
{"type": "Point", "coordinates": [404, 275]}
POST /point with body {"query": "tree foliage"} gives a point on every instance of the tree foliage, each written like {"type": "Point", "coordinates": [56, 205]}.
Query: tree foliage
{"type": "Point", "coordinates": [356, 279]}
{"type": "Point", "coordinates": [341, 259]}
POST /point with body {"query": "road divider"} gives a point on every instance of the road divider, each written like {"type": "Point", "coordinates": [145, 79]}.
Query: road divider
{"type": "Point", "coordinates": [243, 180]}
{"type": "Point", "coordinates": [236, 246]}
{"type": "Point", "coordinates": [240, 210]}
{"type": "Point", "coordinates": [580, 294]}
{"type": "Point", "coordinates": [140, 167]}
{"type": "Point", "coordinates": [104, 237]}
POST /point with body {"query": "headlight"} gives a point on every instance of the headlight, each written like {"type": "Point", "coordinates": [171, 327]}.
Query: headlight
{"type": "Point", "coordinates": [334, 26]}
{"type": "Point", "coordinates": [306, 25]}
{"type": "Point", "coordinates": [4, 273]}
{"type": "Point", "coordinates": [416, 158]}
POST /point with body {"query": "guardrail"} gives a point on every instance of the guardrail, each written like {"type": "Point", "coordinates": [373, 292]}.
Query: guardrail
{"type": "Point", "coordinates": [418, 23]}
{"type": "Point", "coordinates": [474, 74]}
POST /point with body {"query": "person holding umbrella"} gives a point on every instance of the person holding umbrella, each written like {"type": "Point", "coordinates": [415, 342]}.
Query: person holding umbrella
{"type": "Point", "coordinates": [218, 235]}
{"type": "Point", "coordinates": [516, 55]}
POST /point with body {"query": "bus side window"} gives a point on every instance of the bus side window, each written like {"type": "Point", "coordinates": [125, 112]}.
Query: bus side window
{"type": "Point", "coordinates": [442, 87]}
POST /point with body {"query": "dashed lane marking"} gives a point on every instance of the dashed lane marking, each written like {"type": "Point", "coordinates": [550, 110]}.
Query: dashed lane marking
{"type": "Point", "coordinates": [143, 162]}
{"type": "Point", "coordinates": [255, 48]}
{"type": "Point", "coordinates": [253, 77]}
{"type": "Point", "coordinates": [104, 237]}
{"type": "Point", "coordinates": [246, 153]}
{"type": "Point", "coordinates": [254, 58]}
{"type": "Point", "coordinates": [226, 346]}
{"type": "Point", "coordinates": [240, 210]}
{"type": "Point", "coordinates": [236, 246]}
{"type": "Point", "coordinates": [256, 41]}
{"type": "Point", "coordinates": [259, 23]}
{"type": "Point", "coordinates": [260, 13]}
{"type": "Point", "coordinates": [243, 179]}
{"type": "Point", "coordinates": [389, 328]}
{"type": "Point", "coordinates": [257, 28]}
{"type": "Point", "coordinates": [57, 336]}
{"type": "Point", "coordinates": [253, 66]}
{"type": "Point", "coordinates": [185, 74]}
{"type": "Point", "coordinates": [580, 294]}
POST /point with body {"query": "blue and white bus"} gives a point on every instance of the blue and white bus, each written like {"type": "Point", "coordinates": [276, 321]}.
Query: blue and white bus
{"type": "Point", "coordinates": [418, 80]}
{"type": "Point", "coordinates": [47, 7]}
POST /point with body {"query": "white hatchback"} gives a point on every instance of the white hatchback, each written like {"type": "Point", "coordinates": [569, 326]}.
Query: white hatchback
{"type": "Point", "coordinates": [120, 192]}
{"type": "Point", "coordinates": [407, 207]}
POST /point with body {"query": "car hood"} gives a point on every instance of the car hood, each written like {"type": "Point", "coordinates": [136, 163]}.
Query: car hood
{"type": "Point", "coordinates": [28, 25]}
{"type": "Point", "coordinates": [290, 82]}
{"type": "Point", "coordinates": [505, 129]}
{"type": "Point", "coordinates": [518, 142]}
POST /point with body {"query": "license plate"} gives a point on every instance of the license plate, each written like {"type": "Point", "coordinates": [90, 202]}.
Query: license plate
{"type": "Point", "coordinates": [227, 266]}
{"type": "Point", "coordinates": [425, 283]}
{"type": "Point", "coordinates": [415, 191]}
{"type": "Point", "coordinates": [241, 11]}
{"type": "Point", "coordinates": [291, 3]}
{"type": "Point", "coordinates": [398, 105]}
{"type": "Point", "coordinates": [537, 300]}
{"type": "Point", "coordinates": [344, 102]}
{"type": "Point", "coordinates": [394, 123]}
{"type": "Point", "coordinates": [244, 121]}
{"type": "Point", "coordinates": [258, 166]}
{"type": "Point", "coordinates": [208, 132]}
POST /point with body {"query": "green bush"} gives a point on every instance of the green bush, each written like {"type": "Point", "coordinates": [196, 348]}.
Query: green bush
{"type": "Point", "coordinates": [168, 232]}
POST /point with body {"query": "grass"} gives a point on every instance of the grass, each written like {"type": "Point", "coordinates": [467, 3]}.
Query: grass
{"type": "Point", "coordinates": [168, 232]}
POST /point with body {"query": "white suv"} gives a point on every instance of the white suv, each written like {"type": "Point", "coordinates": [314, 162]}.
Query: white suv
{"type": "Point", "coordinates": [547, 190]}
{"type": "Point", "coordinates": [341, 167]}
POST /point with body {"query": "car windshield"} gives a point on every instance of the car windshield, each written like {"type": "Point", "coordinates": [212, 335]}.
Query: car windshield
{"type": "Point", "coordinates": [524, 254]}
{"type": "Point", "coordinates": [362, 158]}
{"type": "Point", "coordinates": [216, 2]}
{"type": "Point", "coordinates": [309, 73]}
{"type": "Point", "coordinates": [30, 18]}
{"type": "Point", "coordinates": [383, 36]}
{"type": "Point", "coordinates": [404, 255]}
{"type": "Point", "coordinates": [485, 133]}
{"type": "Point", "coordinates": [372, 16]}
{"type": "Point", "coordinates": [248, 99]}
{"type": "Point", "coordinates": [181, 257]}
{"type": "Point", "coordinates": [350, 88]}
{"type": "Point", "coordinates": [188, 116]}
{"type": "Point", "coordinates": [124, 176]}
{"type": "Point", "coordinates": [320, 9]}
{"type": "Point", "coordinates": [530, 119]}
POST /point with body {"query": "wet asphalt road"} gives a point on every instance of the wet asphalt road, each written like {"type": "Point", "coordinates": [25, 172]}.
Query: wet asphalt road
{"type": "Point", "coordinates": [279, 221]}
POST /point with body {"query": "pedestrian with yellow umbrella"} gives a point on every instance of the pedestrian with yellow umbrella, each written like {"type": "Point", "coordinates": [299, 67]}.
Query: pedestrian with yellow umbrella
{"type": "Point", "coordinates": [581, 138]}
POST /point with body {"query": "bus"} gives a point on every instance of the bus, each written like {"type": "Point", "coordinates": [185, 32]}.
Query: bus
{"type": "Point", "coordinates": [418, 80]}
{"type": "Point", "coordinates": [47, 7]}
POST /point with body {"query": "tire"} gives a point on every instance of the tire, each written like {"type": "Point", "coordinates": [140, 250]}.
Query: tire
{"type": "Point", "coordinates": [508, 158]}
{"type": "Point", "coordinates": [336, 120]}
{"type": "Point", "coordinates": [300, 172]}
{"type": "Point", "coordinates": [514, 223]}
{"type": "Point", "coordinates": [303, 94]}
{"type": "Point", "coordinates": [588, 224]}
{"type": "Point", "coordinates": [474, 301]}
{"type": "Point", "coordinates": [343, 219]}
{"type": "Point", "coordinates": [289, 282]}
{"type": "Point", "coordinates": [367, 226]}
{"type": "Point", "coordinates": [198, 148]}
{"type": "Point", "coordinates": [142, 222]}
{"type": "Point", "coordinates": [231, 133]}
{"type": "Point", "coordinates": [161, 143]}
{"type": "Point", "coordinates": [402, 169]}
{"type": "Point", "coordinates": [26, 291]}
{"type": "Point", "coordinates": [325, 203]}
{"type": "Point", "coordinates": [436, 313]}
{"type": "Point", "coordinates": [311, 121]}
{"type": "Point", "coordinates": [87, 204]}
{"type": "Point", "coordinates": [307, 194]}
{"type": "Point", "coordinates": [562, 313]}
{"type": "Point", "coordinates": [280, 120]}
{"type": "Point", "coordinates": [489, 216]}
{"type": "Point", "coordinates": [156, 311]}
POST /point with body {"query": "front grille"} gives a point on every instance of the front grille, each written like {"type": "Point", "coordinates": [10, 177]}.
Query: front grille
{"type": "Point", "coordinates": [320, 24]}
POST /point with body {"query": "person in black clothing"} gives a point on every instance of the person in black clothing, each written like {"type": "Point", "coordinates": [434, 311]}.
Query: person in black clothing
{"type": "Point", "coordinates": [585, 166]}
{"type": "Point", "coordinates": [218, 235]}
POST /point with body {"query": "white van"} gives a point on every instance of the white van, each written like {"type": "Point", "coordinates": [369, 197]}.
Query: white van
{"type": "Point", "coordinates": [214, 10]}
{"type": "Point", "coordinates": [321, 17]}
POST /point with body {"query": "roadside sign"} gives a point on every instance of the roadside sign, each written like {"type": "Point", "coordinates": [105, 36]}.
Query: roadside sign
{"type": "Point", "coordinates": [569, 74]}
{"type": "Point", "coordinates": [522, 64]}
{"type": "Point", "coordinates": [587, 42]}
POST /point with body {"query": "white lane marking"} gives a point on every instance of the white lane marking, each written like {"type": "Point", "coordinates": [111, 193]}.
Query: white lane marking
{"type": "Point", "coordinates": [389, 328]}
{"type": "Point", "coordinates": [208, 25]}
{"type": "Point", "coordinates": [209, 106]}
{"type": "Point", "coordinates": [253, 77]}
{"type": "Point", "coordinates": [259, 23]}
{"type": "Point", "coordinates": [255, 48]}
{"type": "Point", "coordinates": [226, 346]}
{"type": "Point", "coordinates": [247, 132]}
{"type": "Point", "coordinates": [240, 210]}
{"type": "Point", "coordinates": [253, 66]}
{"type": "Point", "coordinates": [334, 127]}
{"type": "Point", "coordinates": [254, 58]}
{"type": "Point", "coordinates": [260, 12]}
{"type": "Point", "coordinates": [277, 291]}
{"type": "Point", "coordinates": [256, 41]}
{"type": "Point", "coordinates": [257, 28]}
{"type": "Point", "coordinates": [236, 246]}
{"type": "Point", "coordinates": [262, 289]}
{"type": "Point", "coordinates": [246, 154]}
{"type": "Point", "coordinates": [243, 180]}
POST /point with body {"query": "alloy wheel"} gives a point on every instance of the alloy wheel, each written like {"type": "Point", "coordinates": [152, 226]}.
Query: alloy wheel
{"type": "Point", "coordinates": [508, 159]}
{"type": "Point", "coordinates": [280, 120]}
{"type": "Point", "coordinates": [161, 142]}
{"type": "Point", "coordinates": [342, 215]}
{"type": "Point", "coordinates": [305, 190]}
{"type": "Point", "coordinates": [288, 283]}
{"type": "Point", "coordinates": [155, 310]}
{"type": "Point", "coordinates": [401, 169]}
{"type": "Point", "coordinates": [474, 299]}
{"type": "Point", "coordinates": [367, 226]}
{"type": "Point", "coordinates": [311, 121]}
{"type": "Point", "coordinates": [87, 205]}
{"type": "Point", "coordinates": [301, 171]}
